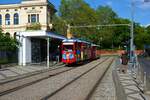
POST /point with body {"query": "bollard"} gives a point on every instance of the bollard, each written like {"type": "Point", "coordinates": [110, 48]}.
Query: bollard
{"type": "Point", "coordinates": [137, 75]}
{"type": "Point", "coordinates": [144, 81]}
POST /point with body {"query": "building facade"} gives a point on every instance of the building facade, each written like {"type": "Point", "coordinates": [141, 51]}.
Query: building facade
{"type": "Point", "coordinates": [29, 14]}
{"type": "Point", "coordinates": [30, 22]}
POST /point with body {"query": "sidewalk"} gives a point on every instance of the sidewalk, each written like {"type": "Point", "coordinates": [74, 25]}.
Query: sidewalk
{"type": "Point", "coordinates": [18, 71]}
{"type": "Point", "coordinates": [127, 86]}
{"type": "Point", "coordinates": [130, 87]}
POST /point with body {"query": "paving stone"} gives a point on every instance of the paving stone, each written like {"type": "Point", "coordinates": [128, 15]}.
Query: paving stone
{"type": "Point", "coordinates": [17, 70]}
{"type": "Point", "coordinates": [130, 87]}
{"type": "Point", "coordinates": [8, 73]}
{"type": "Point", "coordinates": [26, 69]}
{"type": "Point", "coordinates": [1, 77]}
{"type": "Point", "coordinates": [134, 97]}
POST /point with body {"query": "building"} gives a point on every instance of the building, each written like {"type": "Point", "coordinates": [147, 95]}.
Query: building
{"type": "Point", "coordinates": [27, 14]}
{"type": "Point", "coordinates": [30, 22]}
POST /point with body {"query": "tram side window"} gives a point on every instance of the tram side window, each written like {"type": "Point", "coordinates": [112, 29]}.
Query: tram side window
{"type": "Point", "coordinates": [68, 47]}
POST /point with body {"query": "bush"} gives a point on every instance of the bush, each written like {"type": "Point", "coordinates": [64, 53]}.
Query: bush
{"type": "Point", "coordinates": [34, 26]}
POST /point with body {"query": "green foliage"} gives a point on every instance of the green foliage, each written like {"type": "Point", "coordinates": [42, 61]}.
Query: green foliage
{"type": "Point", "coordinates": [34, 26]}
{"type": "Point", "coordinates": [7, 43]}
{"type": "Point", "coordinates": [79, 13]}
{"type": "Point", "coordinates": [142, 36]}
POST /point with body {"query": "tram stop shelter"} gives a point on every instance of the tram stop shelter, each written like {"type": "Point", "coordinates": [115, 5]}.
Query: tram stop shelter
{"type": "Point", "coordinates": [38, 46]}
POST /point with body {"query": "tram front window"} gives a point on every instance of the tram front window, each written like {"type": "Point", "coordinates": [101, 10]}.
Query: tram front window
{"type": "Point", "coordinates": [68, 48]}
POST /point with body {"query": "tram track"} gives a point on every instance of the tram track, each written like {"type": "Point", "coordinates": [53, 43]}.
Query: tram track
{"type": "Point", "coordinates": [26, 75]}
{"type": "Point", "coordinates": [91, 93]}
{"type": "Point", "coordinates": [23, 85]}
{"type": "Point", "coordinates": [7, 91]}
{"type": "Point", "coordinates": [72, 81]}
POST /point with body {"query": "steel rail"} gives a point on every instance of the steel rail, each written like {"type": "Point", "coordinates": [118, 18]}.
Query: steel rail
{"type": "Point", "coordinates": [72, 81]}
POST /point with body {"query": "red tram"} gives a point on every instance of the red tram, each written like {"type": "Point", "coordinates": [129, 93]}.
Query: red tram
{"type": "Point", "coordinates": [76, 51]}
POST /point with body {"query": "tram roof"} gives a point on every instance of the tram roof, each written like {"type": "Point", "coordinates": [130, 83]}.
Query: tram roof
{"type": "Point", "coordinates": [95, 45]}
{"type": "Point", "coordinates": [78, 40]}
{"type": "Point", "coordinates": [75, 40]}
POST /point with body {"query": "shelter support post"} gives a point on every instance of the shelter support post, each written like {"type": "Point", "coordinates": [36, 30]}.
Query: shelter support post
{"type": "Point", "coordinates": [48, 52]}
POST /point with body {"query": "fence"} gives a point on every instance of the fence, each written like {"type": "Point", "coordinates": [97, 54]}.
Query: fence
{"type": "Point", "coordinates": [143, 77]}
{"type": "Point", "coordinates": [7, 57]}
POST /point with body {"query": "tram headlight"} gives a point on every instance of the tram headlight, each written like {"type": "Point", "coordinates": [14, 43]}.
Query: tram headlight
{"type": "Point", "coordinates": [64, 56]}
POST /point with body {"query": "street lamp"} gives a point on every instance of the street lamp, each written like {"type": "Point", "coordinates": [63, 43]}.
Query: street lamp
{"type": "Point", "coordinates": [132, 31]}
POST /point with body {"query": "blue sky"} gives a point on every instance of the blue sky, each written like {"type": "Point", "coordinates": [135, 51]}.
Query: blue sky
{"type": "Point", "coordinates": [121, 7]}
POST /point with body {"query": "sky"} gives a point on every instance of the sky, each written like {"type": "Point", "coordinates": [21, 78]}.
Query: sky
{"type": "Point", "coordinates": [121, 7]}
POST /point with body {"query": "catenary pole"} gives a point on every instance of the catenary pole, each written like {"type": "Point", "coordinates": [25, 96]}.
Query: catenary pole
{"type": "Point", "coordinates": [132, 31]}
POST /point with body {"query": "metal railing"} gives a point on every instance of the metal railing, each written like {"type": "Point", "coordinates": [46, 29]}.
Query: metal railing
{"type": "Point", "coordinates": [143, 77]}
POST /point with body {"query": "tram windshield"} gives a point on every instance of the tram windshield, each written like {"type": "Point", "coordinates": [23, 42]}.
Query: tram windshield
{"type": "Point", "coordinates": [68, 47]}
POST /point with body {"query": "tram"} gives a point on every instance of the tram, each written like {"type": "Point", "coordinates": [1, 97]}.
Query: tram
{"type": "Point", "coordinates": [77, 51]}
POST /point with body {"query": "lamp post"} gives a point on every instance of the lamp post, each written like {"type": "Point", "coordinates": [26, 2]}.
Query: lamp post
{"type": "Point", "coordinates": [132, 31]}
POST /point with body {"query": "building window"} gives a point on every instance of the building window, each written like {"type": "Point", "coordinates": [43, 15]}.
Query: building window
{"type": "Point", "coordinates": [7, 19]}
{"type": "Point", "coordinates": [15, 34]}
{"type": "Point", "coordinates": [29, 17]}
{"type": "Point", "coordinates": [0, 19]}
{"type": "Point", "coordinates": [33, 18]}
{"type": "Point", "coordinates": [8, 34]}
{"type": "Point", "coordinates": [16, 19]}
{"type": "Point", "coordinates": [37, 17]}
{"type": "Point", "coordinates": [33, 7]}
{"type": "Point", "coordinates": [7, 10]}
{"type": "Point", "coordinates": [25, 8]}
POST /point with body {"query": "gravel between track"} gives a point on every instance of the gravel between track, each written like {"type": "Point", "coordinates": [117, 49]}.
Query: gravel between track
{"type": "Point", "coordinates": [47, 86]}
{"type": "Point", "coordinates": [20, 82]}
{"type": "Point", "coordinates": [79, 89]}
{"type": "Point", "coordinates": [106, 89]}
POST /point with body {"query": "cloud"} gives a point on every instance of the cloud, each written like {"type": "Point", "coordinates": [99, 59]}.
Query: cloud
{"type": "Point", "coordinates": [109, 3]}
{"type": "Point", "coordinates": [145, 6]}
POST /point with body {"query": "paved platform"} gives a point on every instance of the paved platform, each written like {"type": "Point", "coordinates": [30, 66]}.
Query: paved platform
{"type": "Point", "coordinates": [15, 71]}
{"type": "Point", "coordinates": [129, 85]}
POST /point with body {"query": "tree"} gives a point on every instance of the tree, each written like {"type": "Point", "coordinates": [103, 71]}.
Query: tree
{"type": "Point", "coordinates": [105, 15]}
{"type": "Point", "coordinates": [147, 29]}
{"type": "Point", "coordinates": [60, 26]}
{"type": "Point", "coordinates": [142, 36]}
{"type": "Point", "coordinates": [8, 47]}
{"type": "Point", "coordinates": [78, 12]}
{"type": "Point", "coordinates": [7, 43]}
{"type": "Point", "coordinates": [121, 33]}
